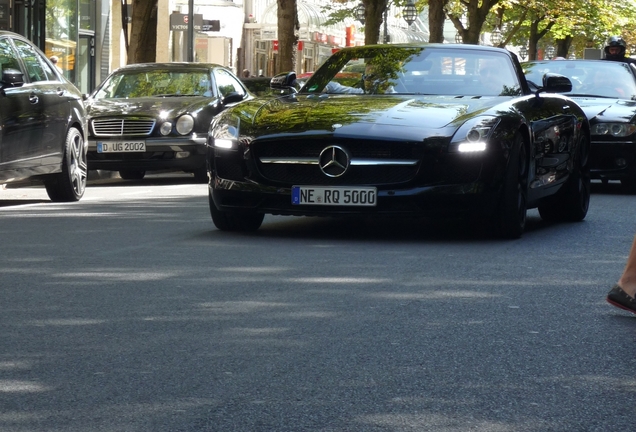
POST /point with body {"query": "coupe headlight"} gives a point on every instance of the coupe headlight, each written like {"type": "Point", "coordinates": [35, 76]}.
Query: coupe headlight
{"type": "Point", "coordinates": [613, 129]}
{"type": "Point", "coordinates": [166, 128]}
{"type": "Point", "coordinates": [225, 134]}
{"type": "Point", "coordinates": [473, 135]}
{"type": "Point", "coordinates": [185, 124]}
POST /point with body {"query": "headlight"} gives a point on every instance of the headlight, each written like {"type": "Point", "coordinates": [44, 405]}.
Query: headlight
{"type": "Point", "coordinates": [613, 129]}
{"type": "Point", "coordinates": [185, 124]}
{"type": "Point", "coordinates": [473, 135]}
{"type": "Point", "coordinates": [225, 135]}
{"type": "Point", "coordinates": [166, 128]}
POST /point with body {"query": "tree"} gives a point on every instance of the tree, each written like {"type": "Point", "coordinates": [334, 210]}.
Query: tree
{"type": "Point", "coordinates": [288, 26]}
{"type": "Point", "coordinates": [475, 12]}
{"type": "Point", "coordinates": [143, 34]}
{"type": "Point", "coordinates": [436, 18]}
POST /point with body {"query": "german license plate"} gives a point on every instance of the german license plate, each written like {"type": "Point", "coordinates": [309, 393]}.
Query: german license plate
{"type": "Point", "coordinates": [121, 146]}
{"type": "Point", "coordinates": [335, 196]}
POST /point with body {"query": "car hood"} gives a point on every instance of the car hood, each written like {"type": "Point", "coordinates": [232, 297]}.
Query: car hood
{"type": "Point", "coordinates": [169, 106]}
{"type": "Point", "coordinates": [607, 109]}
{"type": "Point", "coordinates": [370, 115]}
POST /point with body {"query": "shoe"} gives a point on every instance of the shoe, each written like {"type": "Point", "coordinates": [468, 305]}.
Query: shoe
{"type": "Point", "coordinates": [619, 298]}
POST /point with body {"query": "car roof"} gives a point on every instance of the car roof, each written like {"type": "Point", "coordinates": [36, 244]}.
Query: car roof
{"type": "Point", "coordinates": [170, 65]}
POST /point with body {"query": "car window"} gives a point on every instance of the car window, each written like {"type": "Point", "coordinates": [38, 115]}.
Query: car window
{"type": "Point", "coordinates": [37, 69]}
{"type": "Point", "coordinates": [417, 70]}
{"type": "Point", "coordinates": [227, 83]}
{"type": "Point", "coordinates": [588, 77]}
{"type": "Point", "coordinates": [8, 56]}
{"type": "Point", "coordinates": [135, 83]}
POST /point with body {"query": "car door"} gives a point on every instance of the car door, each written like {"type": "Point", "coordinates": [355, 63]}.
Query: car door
{"type": "Point", "coordinates": [21, 120]}
{"type": "Point", "coordinates": [52, 106]}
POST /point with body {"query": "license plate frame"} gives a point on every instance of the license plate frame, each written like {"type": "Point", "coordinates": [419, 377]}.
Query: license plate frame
{"type": "Point", "coordinates": [341, 196]}
{"type": "Point", "coordinates": [123, 146]}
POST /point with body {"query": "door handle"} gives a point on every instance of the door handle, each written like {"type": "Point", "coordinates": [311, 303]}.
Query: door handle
{"type": "Point", "coordinates": [60, 91]}
{"type": "Point", "coordinates": [33, 98]}
{"type": "Point", "coordinates": [566, 108]}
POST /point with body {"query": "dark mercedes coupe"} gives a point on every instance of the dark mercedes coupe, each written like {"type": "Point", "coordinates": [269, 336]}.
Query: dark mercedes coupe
{"type": "Point", "coordinates": [606, 90]}
{"type": "Point", "coordinates": [155, 116]}
{"type": "Point", "coordinates": [42, 122]}
{"type": "Point", "coordinates": [410, 130]}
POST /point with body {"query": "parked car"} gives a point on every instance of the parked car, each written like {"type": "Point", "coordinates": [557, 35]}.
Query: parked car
{"type": "Point", "coordinates": [155, 116]}
{"type": "Point", "coordinates": [606, 91]}
{"type": "Point", "coordinates": [43, 125]}
{"type": "Point", "coordinates": [423, 130]}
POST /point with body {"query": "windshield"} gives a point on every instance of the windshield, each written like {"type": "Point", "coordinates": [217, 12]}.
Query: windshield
{"type": "Point", "coordinates": [600, 78]}
{"type": "Point", "coordinates": [416, 70]}
{"type": "Point", "coordinates": [136, 83]}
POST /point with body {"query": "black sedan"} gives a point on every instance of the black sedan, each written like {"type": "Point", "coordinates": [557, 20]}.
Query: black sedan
{"type": "Point", "coordinates": [409, 130]}
{"type": "Point", "coordinates": [155, 116]}
{"type": "Point", "coordinates": [42, 122]}
{"type": "Point", "coordinates": [606, 90]}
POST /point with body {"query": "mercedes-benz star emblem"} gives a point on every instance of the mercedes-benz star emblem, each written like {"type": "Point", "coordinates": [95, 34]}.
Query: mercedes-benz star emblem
{"type": "Point", "coordinates": [334, 161]}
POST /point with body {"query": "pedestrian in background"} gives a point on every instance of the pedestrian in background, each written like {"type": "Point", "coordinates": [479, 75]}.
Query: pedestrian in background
{"type": "Point", "coordinates": [623, 294]}
{"type": "Point", "coordinates": [54, 60]}
{"type": "Point", "coordinates": [246, 73]}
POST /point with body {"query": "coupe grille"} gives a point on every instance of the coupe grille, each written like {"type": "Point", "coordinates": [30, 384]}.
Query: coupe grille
{"type": "Point", "coordinates": [109, 127]}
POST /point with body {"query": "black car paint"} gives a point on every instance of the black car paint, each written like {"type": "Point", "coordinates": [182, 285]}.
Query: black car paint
{"type": "Point", "coordinates": [239, 183]}
{"type": "Point", "coordinates": [606, 150]}
{"type": "Point", "coordinates": [36, 117]}
{"type": "Point", "coordinates": [160, 149]}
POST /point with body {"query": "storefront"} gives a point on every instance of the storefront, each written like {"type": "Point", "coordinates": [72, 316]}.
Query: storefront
{"type": "Point", "coordinates": [62, 29]}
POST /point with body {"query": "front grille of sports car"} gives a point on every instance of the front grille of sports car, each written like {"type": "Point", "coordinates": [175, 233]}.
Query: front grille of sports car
{"type": "Point", "coordinates": [111, 127]}
{"type": "Point", "coordinates": [384, 158]}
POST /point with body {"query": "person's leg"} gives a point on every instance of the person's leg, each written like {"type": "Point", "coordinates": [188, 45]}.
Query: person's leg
{"type": "Point", "coordinates": [623, 294]}
{"type": "Point", "coordinates": [627, 281]}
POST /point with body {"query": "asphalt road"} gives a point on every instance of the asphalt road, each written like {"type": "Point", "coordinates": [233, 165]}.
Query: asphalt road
{"type": "Point", "coordinates": [129, 311]}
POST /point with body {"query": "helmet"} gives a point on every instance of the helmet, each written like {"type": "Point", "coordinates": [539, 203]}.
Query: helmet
{"type": "Point", "coordinates": [616, 41]}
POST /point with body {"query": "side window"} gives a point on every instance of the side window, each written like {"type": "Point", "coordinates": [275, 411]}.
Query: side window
{"type": "Point", "coordinates": [8, 56]}
{"type": "Point", "coordinates": [33, 63]}
{"type": "Point", "coordinates": [227, 84]}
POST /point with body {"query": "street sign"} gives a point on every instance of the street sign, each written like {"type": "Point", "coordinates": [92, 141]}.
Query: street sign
{"type": "Point", "coordinates": [179, 21]}
{"type": "Point", "coordinates": [211, 25]}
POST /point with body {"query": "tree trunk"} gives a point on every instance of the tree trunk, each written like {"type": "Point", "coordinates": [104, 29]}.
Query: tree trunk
{"type": "Point", "coordinates": [436, 18]}
{"type": "Point", "coordinates": [373, 18]}
{"type": "Point", "coordinates": [143, 32]}
{"type": "Point", "coordinates": [287, 39]}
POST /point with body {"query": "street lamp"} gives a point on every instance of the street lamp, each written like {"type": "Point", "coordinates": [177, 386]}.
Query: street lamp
{"type": "Point", "coordinates": [572, 56]}
{"type": "Point", "coordinates": [410, 12]}
{"type": "Point", "coordinates": [549, 52]}
{"type": "Point", "coordinates": [496, 37]}
{"type": "Point", "coordinates": [458, 38]}
{"type": "Point", "coordinates": [523, 52]}
{"type": "Point", "coordinates": [358, 12]}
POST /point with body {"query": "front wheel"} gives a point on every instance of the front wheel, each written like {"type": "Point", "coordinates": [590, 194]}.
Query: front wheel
{"type": "Point", "coordinates": [572, 201]}
{"type": "Point", "coordinates": [234, 221]}
{"type": "Point", "coordinates": [69, 184]}
{"type": "Point", "coordinates": [510, 220]}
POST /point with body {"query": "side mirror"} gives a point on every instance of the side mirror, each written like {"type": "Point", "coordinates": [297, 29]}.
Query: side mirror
{"type": "Point", "coordinates": [283, 81]}
{"type": "Point", "coordinates": [232, 97]}
{"type": "Point", "coordinates": [555, 83]}
{"type": "Point", "coordinates": [12, 78]}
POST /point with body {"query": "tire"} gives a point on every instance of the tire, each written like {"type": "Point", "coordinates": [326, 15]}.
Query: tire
{"type": "Point", "coordinates": [132, 174]}
{"type": "Point", "coordinates": [69, 184]}
{"type": "Point", "coordinates": [572, 201]}
{"type": "Point", "coordinates": [201, 175]}
{"type": "Point", "coordinates": [235, 221]}
{"type": "Point", "coordinates": [629, 185]}
{"type": "Point", "coordinates": [510, 218]}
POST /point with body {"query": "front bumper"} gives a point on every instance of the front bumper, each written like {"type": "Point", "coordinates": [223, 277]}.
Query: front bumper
{"type": "Point", "coordinates": [459, 200]}
{"type": "Point", "coordinates": [186, 153]}
{"type": "Point", "coordinates": [613, 160]}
